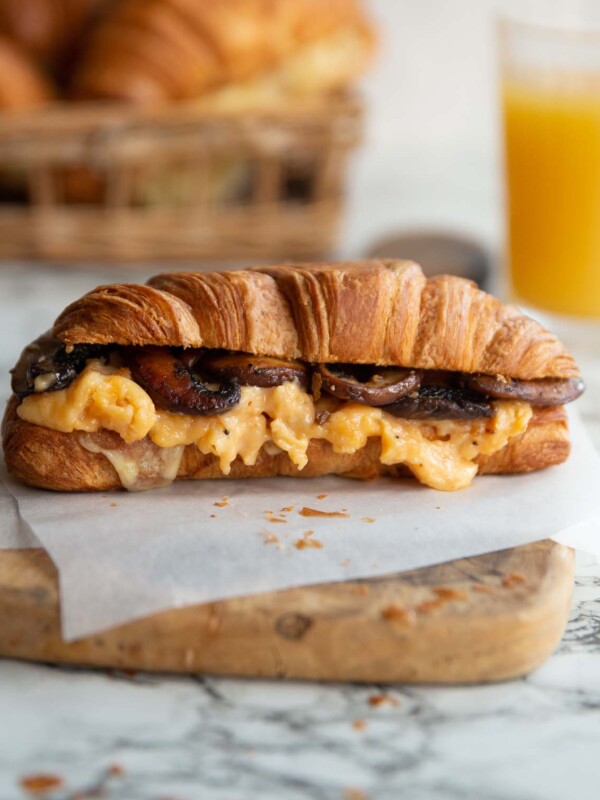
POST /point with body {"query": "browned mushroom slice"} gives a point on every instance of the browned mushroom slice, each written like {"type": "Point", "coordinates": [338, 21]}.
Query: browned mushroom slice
{"type": "Point", "coordinates": [364, 383]}
{"type": "Point", "coordinates": [170, 380]}
{"type": "Point", "coordinates": [541, 392]}
{"type": "Point", "coordinates": [249, 370]}
{"type": "Point", "coordinates": [45, 365]}
{"type": "Point", "coordinates": [436, 402]}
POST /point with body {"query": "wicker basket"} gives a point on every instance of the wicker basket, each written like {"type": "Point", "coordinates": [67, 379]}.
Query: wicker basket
{"type": "Point", "coordinates": [112, 183]}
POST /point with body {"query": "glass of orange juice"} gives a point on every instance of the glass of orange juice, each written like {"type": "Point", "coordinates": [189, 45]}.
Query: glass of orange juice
{"type": "Point", "coordinates": [551, 112]}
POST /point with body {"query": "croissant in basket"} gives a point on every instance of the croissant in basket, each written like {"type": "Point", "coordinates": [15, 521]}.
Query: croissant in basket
{"type": "Point", "coordinates": [22, 84]}
{"type": "Point", "coordinates": [358, 369]}
{"type": "Point", "coordinates": [233, 53]}
{"type": "Point", "coordinates": [51, 32]}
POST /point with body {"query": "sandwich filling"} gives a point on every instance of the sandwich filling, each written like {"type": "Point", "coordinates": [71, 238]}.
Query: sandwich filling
{"type": "Point", "coordinates": [283, 418]}
{"type": "Point", "coordinates": [141, 407]}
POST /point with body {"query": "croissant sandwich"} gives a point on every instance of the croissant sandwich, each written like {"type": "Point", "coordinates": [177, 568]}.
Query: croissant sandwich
{"type": "Point", "coordinates": [357, 369]}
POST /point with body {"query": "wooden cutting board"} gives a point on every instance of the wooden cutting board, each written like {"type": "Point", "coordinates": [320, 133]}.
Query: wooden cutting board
{"type": "Point", "coordinates": [488, 618]}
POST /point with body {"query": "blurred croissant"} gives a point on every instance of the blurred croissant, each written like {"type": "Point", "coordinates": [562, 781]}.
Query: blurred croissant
{"type": "Point", "coordinates": [22, 83]}
{"type": "Point", "coordinates": [153, 51]}
{"type": "Point", "coordinates": [51, 31]}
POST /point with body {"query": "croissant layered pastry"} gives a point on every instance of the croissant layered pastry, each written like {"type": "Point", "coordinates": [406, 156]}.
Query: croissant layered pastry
{"type": "Point", "coordinates": [22, 84]}
{"type": "Point", "coordinates": [51, 32]}
{"type": "Point", "coordinates": [358, 369]}
{"type": "Point", "coordinates": [233, 53]}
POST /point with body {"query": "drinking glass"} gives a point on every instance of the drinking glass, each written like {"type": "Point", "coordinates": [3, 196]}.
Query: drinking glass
{"type": "Point", "coordinates": [550, 86]}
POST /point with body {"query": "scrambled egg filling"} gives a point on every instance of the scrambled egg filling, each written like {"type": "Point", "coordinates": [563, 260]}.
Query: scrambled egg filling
{"type": "Point", "coordinates": [440, 453]}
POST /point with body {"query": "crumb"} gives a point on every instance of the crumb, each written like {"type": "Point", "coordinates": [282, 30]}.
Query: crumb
{"type": "Point", "coordinates": [368, 519]}
{"type": "Point", "coordinates": [41, 784]}
{"type": "Point", "coordinates": [285, 509]}
{"type": "Point", "coordinates": [213, 516]}
{"type": "Point", "coordinates": [483, 588]}
{"type": "Point", "coordinates": [270, 538]}
{"type": "Point", "coordinates": [398, 613]}
{"type": "Point", "coordinates": [359, 724]}
{"type": "Point", "coordinates": [513, 579]}
{"type": "Point", "coordinates": [271, 517]}
{"type": "Point", "coordinates": [115, 769]}
{"type": "Point", "coordinates": [377, 700]}
{"type": "Point", "coordinates": [223, 502]}
{"type": "Point", "coordinates": [426, 606]}
{"type": "Point", "coordinates": [346, 562]}
{"type": "Point", "coordinates": [437, 508]}
{"type": "Point", "coordinates": [114, 505]}
{"type": "Point", "coordinates": [450, 593]}
{"type": "Point", "coordinates": [306, 541]}
{"type": "Point", "coordinates": [322, 496]}
{"type": "Point", "coordinates": [313, 512]}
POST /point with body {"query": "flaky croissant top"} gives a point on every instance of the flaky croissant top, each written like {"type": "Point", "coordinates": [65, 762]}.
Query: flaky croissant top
{"type": "Point", "coordinates": [155, 50]}
{"type": "Point", "coordinates": [372, 312]}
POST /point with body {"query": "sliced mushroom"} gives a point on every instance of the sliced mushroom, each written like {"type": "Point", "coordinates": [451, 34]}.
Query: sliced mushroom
{"type": "Point", "coordinates": [371, 385]}
{"type": "Point", "coordinates": [170, 379]}
{"type": "Point", "coordinates": [437, 402]}
{"type": "Point", "coordinates": [45, 365]}
{"type": "Point", "coordinates": [542, 392]}
{"type": "Point", "coordinates": [249, 370]}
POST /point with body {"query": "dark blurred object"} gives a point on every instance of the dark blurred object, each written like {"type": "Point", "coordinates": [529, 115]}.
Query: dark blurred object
{"type": "Point", "coordinates": [51, 31]}
{"type": "Point", "coordinates": [438, 253]}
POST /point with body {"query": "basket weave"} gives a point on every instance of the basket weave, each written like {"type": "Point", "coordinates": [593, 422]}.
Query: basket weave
{"type": "Point", "coordinates": [98, 182]}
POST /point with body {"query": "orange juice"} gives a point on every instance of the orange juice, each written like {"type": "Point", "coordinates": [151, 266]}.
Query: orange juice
{"type": "Point", "coordinates": [552, 138]}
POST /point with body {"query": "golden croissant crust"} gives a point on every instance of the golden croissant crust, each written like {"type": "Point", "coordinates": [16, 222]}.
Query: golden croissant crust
{"type": "Point", "coordinates": [372, 312]}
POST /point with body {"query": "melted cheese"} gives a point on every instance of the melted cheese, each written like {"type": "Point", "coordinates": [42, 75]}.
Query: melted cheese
{"type": "Point", "coordinates": [440, 453]}
{"type": "Point", "coordinates": [155, 468]}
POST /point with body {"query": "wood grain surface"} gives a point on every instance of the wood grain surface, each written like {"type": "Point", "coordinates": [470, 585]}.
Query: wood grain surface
{"type": "Point", "coordinates": [488, 618]}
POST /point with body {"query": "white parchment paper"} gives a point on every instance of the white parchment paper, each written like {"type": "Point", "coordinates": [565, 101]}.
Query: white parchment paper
{"type": "Point", "coordinates": [14, 533]}
{"type": "Point", "coordinates": [122, 556]}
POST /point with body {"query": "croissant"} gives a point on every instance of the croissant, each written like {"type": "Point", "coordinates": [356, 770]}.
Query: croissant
{"type": "Point", "coordinates": [22, 84]}
{"type": "Point", "coordinates": [355, 368]}
{"type": "Point", "coordinates": [50, 31]}
{"type": "Point", "coordinates": [153, 51]}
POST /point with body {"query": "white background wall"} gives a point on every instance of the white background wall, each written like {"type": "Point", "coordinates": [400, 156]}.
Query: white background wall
{"type": "Point", "coordinates": [431, 153]}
